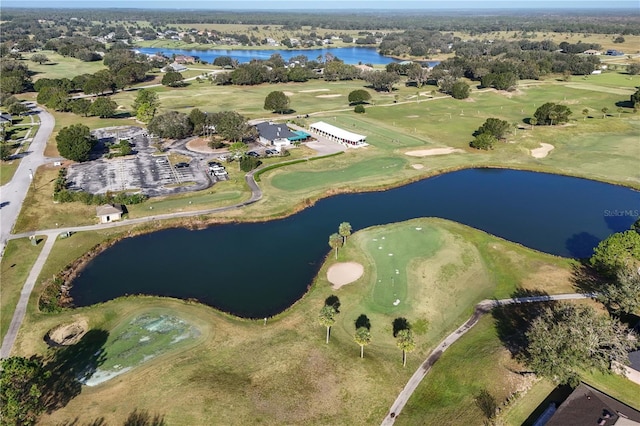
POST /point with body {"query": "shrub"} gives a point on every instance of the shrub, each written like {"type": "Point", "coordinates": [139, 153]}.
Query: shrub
{"type": "Point", "coordinates": [359, 109]}
{"type": "Point", "coordinates": [483, 141]}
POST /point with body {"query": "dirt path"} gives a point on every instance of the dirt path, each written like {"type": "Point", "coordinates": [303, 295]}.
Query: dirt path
{"type": "Point", "coordinates": [481, 309]}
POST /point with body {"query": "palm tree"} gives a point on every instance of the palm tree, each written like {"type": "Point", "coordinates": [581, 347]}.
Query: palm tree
{"type": "Point", "coordinates": [585, 112]}
{"type": "Point", "coordinates": [605, 111]}
{"type": "Point", "coordinates": [533, 121]}
{"type": "Point", "coordinates": [344, 230]}
{"type": "Point", "coordinates": [405, 343]}
{"type": "Point", "coordinates": [363, 338]}
{"type": "Point", "coordinates": [552, 116]}
{"type": "Point", "coordinates": [620, 111]}
{"type": "Point", "coordinates": [327, 318]}
{"type": "Point", "coordinates": [335, 241]}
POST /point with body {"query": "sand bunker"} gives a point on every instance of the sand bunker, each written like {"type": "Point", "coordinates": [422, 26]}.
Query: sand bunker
{"type": "Point", "coordinates": [433, 151]}
{"type": "Point", "coordinates": [288, 93]}
{"type": "Point", "coordinates": [337, 95]}
{"type": "Point", "coordinates": [313, 90]}
{"type": "Point", "coordinates": [344, 273]}
{"type": "Point", "coordinates": [543, 151]}
{"type": "Point", "coordinates": [413, 116]}
{"type": "Point", "coordinates": [417, 166]}
{"type": "Point", "coordinates": [67, 334]}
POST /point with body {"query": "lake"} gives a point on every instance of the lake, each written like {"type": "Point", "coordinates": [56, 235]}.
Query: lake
{"type": "Point", "coordinates": [350, 55]}
{"type": "Point", "coordinates": [256, 270]}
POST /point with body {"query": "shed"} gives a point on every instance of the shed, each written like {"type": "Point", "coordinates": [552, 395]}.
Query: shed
{"type": "Point", "coordinates": [109, 212]}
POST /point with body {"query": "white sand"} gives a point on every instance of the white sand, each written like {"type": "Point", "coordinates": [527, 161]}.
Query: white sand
{"type": "Point", "coordinates": [417, 166]}
{"type": "Point", "coordinates": [413, 116]}
{"type": "Point", "coordinates": [344, 273]}
{"type": "Point", "coordinates": [313, 90]}
{"type": "Point", "coordinates": [433, 151]}
{"type": "Point", "coordinates": [288, 93]}
{"type": "Point", "coordinates": [337, 95]}
{"type": "Point", "coordinates": [543, 151]}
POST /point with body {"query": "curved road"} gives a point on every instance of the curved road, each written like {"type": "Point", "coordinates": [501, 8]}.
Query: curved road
{"type": "Point", "coordinates": [481, 308]}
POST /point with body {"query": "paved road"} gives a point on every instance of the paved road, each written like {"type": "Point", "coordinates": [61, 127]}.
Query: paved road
{"type": "Point", "coordinates": [12, 194]}
{"type": "Point", "coordinates": [481, 308]}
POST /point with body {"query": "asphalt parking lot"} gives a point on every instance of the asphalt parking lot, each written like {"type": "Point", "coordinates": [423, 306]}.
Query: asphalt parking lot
{"type": "Point", "coordinates": [147, 170]}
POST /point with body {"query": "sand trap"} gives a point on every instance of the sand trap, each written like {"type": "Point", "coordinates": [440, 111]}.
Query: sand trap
{"type": "Point", "coordinates": [313, 90]}
{"type": "Point", "coordinates": [67, 334]}
{"type": "Point", "coordinates": [413, 116]}
{"type": "Point", "coordinates": [417, 166]}
{"type": "Point", "coordinates": [337, 95]}
{"type": "Point", "coordinates": [344, 273]}
{"type": "Point", "coordinates": [433, 151]}
{"type": "Point", "coordinates": [543, 151]}
{"type": "Point", "coordinates": [288, 93]}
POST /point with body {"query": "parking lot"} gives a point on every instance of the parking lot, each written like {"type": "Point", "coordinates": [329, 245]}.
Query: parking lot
{"type": "Point", "coordinates": [147, 170]}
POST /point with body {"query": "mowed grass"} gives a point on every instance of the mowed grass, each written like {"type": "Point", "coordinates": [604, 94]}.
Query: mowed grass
{"type": "Point", "coordinates": [7, 170]}
{"type": "Point", "coordinates": [17, 261]}
{"type": "Point", "coordinates": [242, 371]}
{"type": "Point", "coordinates": [61, 67]}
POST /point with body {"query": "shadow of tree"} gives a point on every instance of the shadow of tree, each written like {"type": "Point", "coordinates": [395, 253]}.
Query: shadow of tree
{"type": "Point", "coordinates": [70, 365]}
{"type": "Point", "coordinates": [585, 279]}
{"type": "Point", "coordinates": [76, 422]}
{"type": "Point", "coordinates": [513, 321]}
{"type": "Point", "coordinates": [143, 418]}
{"type": "Point", "coordinates": [363, 321]}
{"type": "Point", "coordinates": [581, 245]}
{"type": "Point", "coordinates": [400, 324]}
{"type": "Point", "coordinates": [334, 301]}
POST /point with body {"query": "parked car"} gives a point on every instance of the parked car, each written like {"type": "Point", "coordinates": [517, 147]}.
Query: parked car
{"type": "Point", "coordinates": [271, 152]}
{"type": "Point", "coordinates": [181, 165]}
{"type": "Point", "coordinates": [214, 163]}
{"type": "Point", "coordinates": [216, 168]}
{"type": "Point", "coordinates": [161, 160]}
{"type": "Point", "coordinates": [220, 172]}
{"type": "Point", "coordinates": [253, 154]}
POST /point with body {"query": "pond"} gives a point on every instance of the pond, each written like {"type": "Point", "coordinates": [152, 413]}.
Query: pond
{"type": "Point", "coordinates": [256, 270]}
{"type": "Point", "coordinates": [350, 55]}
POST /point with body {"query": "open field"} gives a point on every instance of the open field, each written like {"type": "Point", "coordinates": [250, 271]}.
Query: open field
{"type": "Point", "coordinates": [7, 170]}
{"type": "Point", "coordinates": [238, 367]}
{"type": "Point", "coordinates": [19, 256]}
{"type": "Point", "coordinates": [61, 67]}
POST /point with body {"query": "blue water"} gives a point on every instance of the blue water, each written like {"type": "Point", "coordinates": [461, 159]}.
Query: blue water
{"type": "Point", "coordinates": [260, 269]}
{"type": "Point", "coordinates": [350, 55]}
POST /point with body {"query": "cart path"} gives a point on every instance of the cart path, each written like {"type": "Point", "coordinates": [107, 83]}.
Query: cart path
{"type": "Point", "coordinates": [481, 308]}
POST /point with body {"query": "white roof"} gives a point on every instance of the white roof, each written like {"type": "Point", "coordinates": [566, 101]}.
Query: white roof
{"type": "Point", "coordinates": [337, 132]}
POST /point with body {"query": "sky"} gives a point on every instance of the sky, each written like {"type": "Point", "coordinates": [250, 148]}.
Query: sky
{"type": "Point", "coordinates": [328, 4]}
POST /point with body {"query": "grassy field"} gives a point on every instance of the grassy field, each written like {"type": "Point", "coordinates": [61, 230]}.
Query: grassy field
{"type": "Point", "coordinates": [7, 170]}
{"type": "Point", "coordinates": [242, 371]}
{"type": "Point", "coordinates": [61, 67]}
{"type": "Point", "coordinates": [19, 256]}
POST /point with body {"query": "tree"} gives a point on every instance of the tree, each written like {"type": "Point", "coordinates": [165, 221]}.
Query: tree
{"type": "Point", "coordinates": [335, 242]}
{"type": "Point", "coordinates": [173, 79]}
{"type": "Point", "coordinates": [231, 125]}
{"type": "Point", "coordinates": [359, 96]}
{"type": "Point", "coordinates": [171, 124]}
{"type": "Point", "coordinates": [277, 101]}
{"type": "Point", "coordinates": [495, 127]}
{"type": "Point", "coordinates": [359, 109]}
{"type": "Point", "coordinates": [483, 141]}
{"type": "Point", "coordinates": [238, 149]}
{"type": "Point", "coordinates": [327, 318]}
{"type": "Point", "coordinates": [622, 294]}
{"type": "Point", "coordinates": [22, 381]}
{"type": "Point", "coordinates": [634, 68]}
{"type": "Point", "coordinates": [75, 142]}
{"type": "Point", "coordinates": [17, 108]}
{"type": "Point", "coordinates": [615, 252]}
{"type": "Point", "coordinates": [460, 90]}
{"type": "Point", "coordinates": [533, 121]}
{"type": "Point", "coordinates": [344, 230]}
{"type": "Point", "coordinates": [405, 342]}
{"type": "Point", "coordinates": [585, 112]}
{"type": "Point", "coordinates": [620, 111]}
{"type": "Point", "coordinates": [362, 338]}
{"type": "Point", "coordinates": [146, 105]}
{"type": "Point", "coordinates": [567, 338]}
{"type": "Point", "coordinates": [605, 111]}
{"type": "Point", "coordinates": [5, 151]}
{"type": "Point", "coordinates": [381, 80]}
{"type": "Point", "coordinates": [103, 107]}
{"type": "Point", "coordinates": [635, 98]}
{"type": "Point", "coordinates": [40, 58]}
{"type": "Point", "coordinates": [550, 113]}
{"type": "Point", "coordinates": [81, 106]}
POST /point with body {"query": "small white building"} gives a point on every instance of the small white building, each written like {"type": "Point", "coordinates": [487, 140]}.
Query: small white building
{"type": "Point", "coordinates": [336, 134]}
{"type": "Point", "coordinates": [109, 212]}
